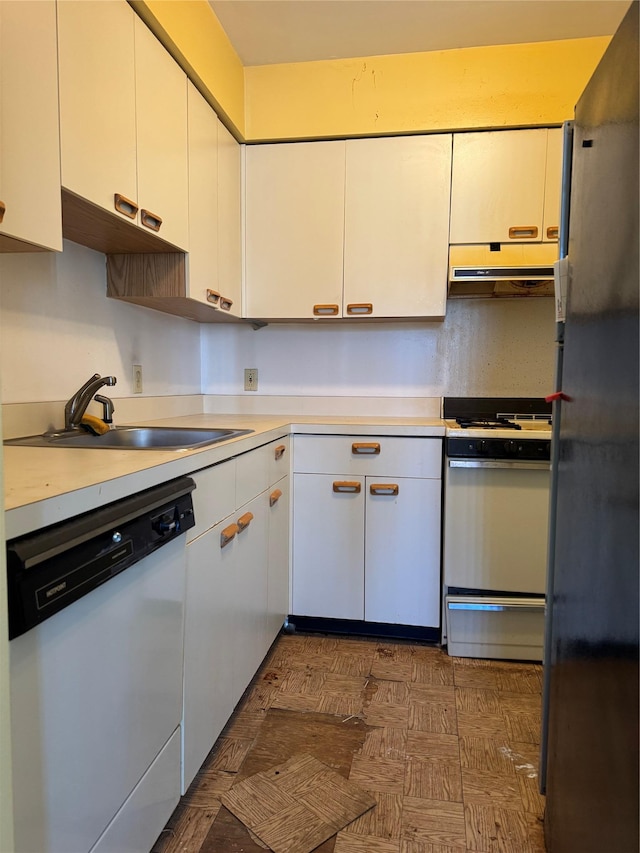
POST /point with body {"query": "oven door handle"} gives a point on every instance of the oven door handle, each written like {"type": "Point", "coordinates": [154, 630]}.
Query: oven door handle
{"type": "Point", "coordinates": [519, 605]}
{"type": "Point", "coordinates": [500, 463]}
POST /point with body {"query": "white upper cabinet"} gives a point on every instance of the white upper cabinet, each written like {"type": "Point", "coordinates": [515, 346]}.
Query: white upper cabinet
{"type": "Point", "coordinates": [294, 199]}
{"type": "Point", "coordinates": [553, 186]}
{"type": "Point", "coordinates": [30, 210]}
{"type": "Point", "coordinates": [123, 121]}
{"type": "Point", "coordinates": [396, 226]}
{"type": "Point", "coordinates": [203, 197]}
{"type": "Point", "coordinates": [161, 125]}
{"type": "Point", "coordinates": [498, 186]}
{"type": "Point", "coordinates": [348, 229]}
{"type": "Point", "coordinates": [229, 222]}
{"type": "Point", "coordinates": [98, 100]}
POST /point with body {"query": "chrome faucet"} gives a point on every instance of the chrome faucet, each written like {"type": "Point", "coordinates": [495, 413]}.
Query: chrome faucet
{"type": "Point", "coordinates": [77, 405]}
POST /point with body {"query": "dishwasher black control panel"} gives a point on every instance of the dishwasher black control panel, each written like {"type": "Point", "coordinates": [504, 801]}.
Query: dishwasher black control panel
{"type": "Point", "coordinates": [51, 568]}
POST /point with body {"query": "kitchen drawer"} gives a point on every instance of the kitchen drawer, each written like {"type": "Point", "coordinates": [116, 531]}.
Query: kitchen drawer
{"type": "Point", "coordinates": [503, 628]}
{"type": "Point", "coordinates": [260, 468]}
{"type": "Point", "coordinates": [214, 497]}
{"type": "Point", "coordinates": [381, 456]}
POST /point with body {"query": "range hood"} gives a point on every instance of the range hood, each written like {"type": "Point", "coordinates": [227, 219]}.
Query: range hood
{"type": "Point", "coordinates": [508, 271]}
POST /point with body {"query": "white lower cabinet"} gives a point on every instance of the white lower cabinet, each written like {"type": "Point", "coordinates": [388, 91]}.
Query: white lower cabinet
{"type": "Point", "coordinates": [208, 699]}
{"type": "Point", "coordinates": [237, 590]}
{"type": "Point", "coordinates": [278, 563]}
{"type": "Point", "coordinates": [366, 544]}
{"type": "Point", "coordinates": [247, 639]}
{"type": "Point", "coordinates": [328, 546]}
{"type": "Point", "coordinates": [402, 553]}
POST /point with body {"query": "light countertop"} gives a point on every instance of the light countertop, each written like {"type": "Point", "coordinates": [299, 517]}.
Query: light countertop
{"type": "Point", "coordinates": [45, 485]}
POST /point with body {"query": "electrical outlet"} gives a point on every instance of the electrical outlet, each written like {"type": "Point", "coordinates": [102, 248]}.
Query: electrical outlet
{"type": "Point", "coordinates": [137, 379]}
{"type": "Point", "coordinates": [251, 379]}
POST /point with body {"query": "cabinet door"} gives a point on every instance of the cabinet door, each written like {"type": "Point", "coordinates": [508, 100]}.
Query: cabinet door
{"type": "Point", "coordinates": [202, 259]}
{"type": "Point", "coordinates": [161, 125]}
{"type": "Point", "coordinates": [497, 186]}
{"type": "Point", "coordinates": [402, 551]}
{"type": "Point", "coordinates": [328, 546]}
{"type": "Point", "coordinates": [249, 635]}
{"type": "Point", "coordinates": [29, 136]}
{"type": "Point", "coordinates": [209, 698]}
{"type": "Point", "coordinates": [229, 220]}
{"type": "Point", "coordinates": [97, 100]}
{"type": "Point", "coordinates": [552, 186]}
{"type": "Point", "coordinates": [278, 572]}
{"type": "Point", "coordinates": [294, 229]}
{"type": "Point", "coordinates": [397, 226]}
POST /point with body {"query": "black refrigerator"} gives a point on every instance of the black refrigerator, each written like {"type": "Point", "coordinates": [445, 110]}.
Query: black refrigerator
{"type": "Point", "coordinates": [590, 731]}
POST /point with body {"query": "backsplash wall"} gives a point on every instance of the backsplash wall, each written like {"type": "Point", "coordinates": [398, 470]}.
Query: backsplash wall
{"type": "Point", "coordinates": [487, 347]}
{"type": "Point", "coordinates": [58, 327]}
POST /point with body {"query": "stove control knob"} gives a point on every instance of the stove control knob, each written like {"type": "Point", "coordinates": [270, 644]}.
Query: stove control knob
{"type": "Point", "coordinates": [481, 446]}
{"type": "Point", "coordinates": [510, 448]}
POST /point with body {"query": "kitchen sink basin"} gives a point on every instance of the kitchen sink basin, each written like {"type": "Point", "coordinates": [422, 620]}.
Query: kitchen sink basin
{"type": "Point", "coordinates": [134, 438]}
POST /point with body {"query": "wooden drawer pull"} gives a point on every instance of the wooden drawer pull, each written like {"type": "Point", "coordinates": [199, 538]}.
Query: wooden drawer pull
{"type": "Point", "coordinates": [226, 303]}
{"type": "Point", "coordinates": [150, 220]}
{"type": "Point", "coordinates": [244, 521]}
{"type": "Point", "coordinates": [365, 448]}
{"type": "Point", "coordinates": [351, 487]}
{"type": "Point", "coordinates": [552, 232]}
{"type": "Point", "coordinates": [228, 534]}
{"type": "Point", "coordinates": [519, 232]}
{"type": "Point", "coordinates": [279, 451]}
{"type": "Point", "coordinates": [213, 297]}
{"type": "Point", "coordinates": [326, 310]}
{"type": "Point", "coordinates": [125, 206]}
{"type": "Point", "coordinates": [274, 497]}
{"type": "Point", "coordinates": [3, 210]}
{"type": "Point", "coordinates": [384, 489]}
{"type": "Point", "coordinates": [360, 308]}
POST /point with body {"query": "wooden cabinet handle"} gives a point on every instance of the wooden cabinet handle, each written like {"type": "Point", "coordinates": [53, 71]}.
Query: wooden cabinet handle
{"type": "Point", "coordinates": [365, 448]}
{"type": "Point", "coordinates": [150, 220]}
{"type": "Point", "coordinates": [244, 521]}
{"type": "Point", "coordinates": [360, 308]}
{"type": "Point", "coordinates": [552, 232]}
{"type": "Point", "coordinates": [218, 301]}
{"type": "Point", "coordinates": [279, 451]}
{"type": "Point", "coordinates": [518, 232]}
{"type": "Point", "coordinates": [125, 205]}
{"type": "Point", "coordinates": [352, 487]}
{"type": "Point", "coordinates": [228, 534]}
{"type": "Point", "coordinates": [274, 497]}
{"type": "Point", "coordinates": [384, 489]}
{"type": "Point", "coordinates": [3, 210]}
{"type": "Point", "coordinates": [326, 310]}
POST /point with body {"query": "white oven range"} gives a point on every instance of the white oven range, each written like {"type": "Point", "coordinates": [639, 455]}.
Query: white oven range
{"type": "Point", "coordinates": [496, 501]}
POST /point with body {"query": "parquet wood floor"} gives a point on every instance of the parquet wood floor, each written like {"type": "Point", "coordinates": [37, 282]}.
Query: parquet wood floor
{"type": "Point", "coordinates": [448, 747]}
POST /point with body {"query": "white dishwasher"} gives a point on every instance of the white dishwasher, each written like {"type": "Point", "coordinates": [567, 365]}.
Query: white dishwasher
{"type": "Point", "coordinates": [96, 609]}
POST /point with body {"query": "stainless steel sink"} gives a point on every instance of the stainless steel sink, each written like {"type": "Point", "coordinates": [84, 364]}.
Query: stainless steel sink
{"type": "Point", "coordinates": [134, 438]}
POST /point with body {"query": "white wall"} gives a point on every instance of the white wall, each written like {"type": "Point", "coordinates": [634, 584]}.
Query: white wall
{"type": "Point", "coordinates": [58, 327]}
{"type": "Point", "coordinates": [501, 347]}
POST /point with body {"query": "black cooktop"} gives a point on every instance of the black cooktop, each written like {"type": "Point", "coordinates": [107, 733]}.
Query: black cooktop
{"type": "Point", "coordinates": [486, 423]}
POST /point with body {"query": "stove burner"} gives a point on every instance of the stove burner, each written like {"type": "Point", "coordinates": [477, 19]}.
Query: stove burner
{"type": "Point", "coordinates": [486, 423]}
